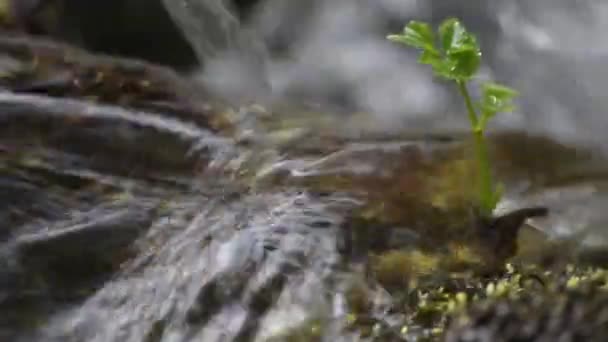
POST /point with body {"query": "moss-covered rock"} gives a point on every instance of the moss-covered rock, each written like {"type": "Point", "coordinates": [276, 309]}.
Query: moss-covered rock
{"type": "Point", "coordinates": [572, 307]}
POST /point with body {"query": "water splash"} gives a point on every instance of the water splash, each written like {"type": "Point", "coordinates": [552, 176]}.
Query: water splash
{"type": "Point", "coordinates": [233, 58]}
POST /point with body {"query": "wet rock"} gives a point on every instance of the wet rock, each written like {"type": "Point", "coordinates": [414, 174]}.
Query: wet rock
{"type": "Point", "coordinates": [496, 238]}
{"type": "Point", "coordinates": [39, 66]}
{"type": "Point", "coordinates": [19, 201]}
{"type": "Point", "coordinates": [569, 316]}
{"type": "Point", "coordinates": [90, 136]}
{"type": "Point", "coordinates": [99, 238]}
{"type": "Point", "coordinates": [112, 27]}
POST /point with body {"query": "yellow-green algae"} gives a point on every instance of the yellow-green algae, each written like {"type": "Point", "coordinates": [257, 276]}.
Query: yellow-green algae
{"type": "Point", "coordinates": [433, 309]}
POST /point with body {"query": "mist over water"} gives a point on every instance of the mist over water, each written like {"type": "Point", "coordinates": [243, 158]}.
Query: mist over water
{"type": "Point", "coordinates": [335, 52]}
{"type": "Point", "coordinates": [555, 52]}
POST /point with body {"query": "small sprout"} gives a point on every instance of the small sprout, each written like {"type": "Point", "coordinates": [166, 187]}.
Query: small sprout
{"type": "Point", "coordinates": [454, 54]}
{"type": "Point", "coordinates": [573, 282]}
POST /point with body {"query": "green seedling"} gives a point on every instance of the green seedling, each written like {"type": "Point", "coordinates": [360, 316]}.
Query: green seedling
{"type": "Point", "coordinates": [454, 54]}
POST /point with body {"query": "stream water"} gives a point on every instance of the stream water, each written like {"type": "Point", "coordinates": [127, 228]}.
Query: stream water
{"type": "Point", "coordinates": [127, 225]}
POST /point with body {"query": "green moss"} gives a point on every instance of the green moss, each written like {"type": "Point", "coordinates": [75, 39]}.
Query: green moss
{"type": "Point", "coordinates": [440, 308]}
{"type": "Point", "coordinates": [401, 269]}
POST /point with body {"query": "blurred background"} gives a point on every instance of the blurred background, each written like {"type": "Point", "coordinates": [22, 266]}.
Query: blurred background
{"type": "Point", "coordinates": [335, 52]}
{"type": "Point", "coordinates": [553, 52]}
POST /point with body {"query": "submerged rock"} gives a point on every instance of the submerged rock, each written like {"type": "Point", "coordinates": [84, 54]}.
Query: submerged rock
{"type": "Point", "coordinates": [113, 27]}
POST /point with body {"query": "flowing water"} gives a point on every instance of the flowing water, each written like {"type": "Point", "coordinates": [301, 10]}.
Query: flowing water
{"type": "Point", "coordinates": [132, 225]}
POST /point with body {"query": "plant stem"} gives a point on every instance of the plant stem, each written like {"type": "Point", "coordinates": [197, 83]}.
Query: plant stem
{"type": "Point", "coordinates": [467, 100]}
{"type": "Point", "coordinates": [486, 191]}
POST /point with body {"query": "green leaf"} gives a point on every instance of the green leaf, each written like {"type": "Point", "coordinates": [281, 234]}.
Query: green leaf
{"type": "Point", "coordinates": [445, 68]}
{"type": "Point", "coordinates": [418, 34]}
{"type": "Point", "coordinates": [499, 91]}
{"type": "Point", "coordinates": [460, 49]}
{"type": "Point", "coordinates": [450, 31]}
{"type": "Point", "coordinates": [466, 63]}
{"type": "Point", "coordinates": [454, 37]}
{"type": "Point", "coordinates": [495, 98]}
{"type": "Point", "coordinates": [431, 57]}
{"type": "Point", "coordinates": [398, 38]}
